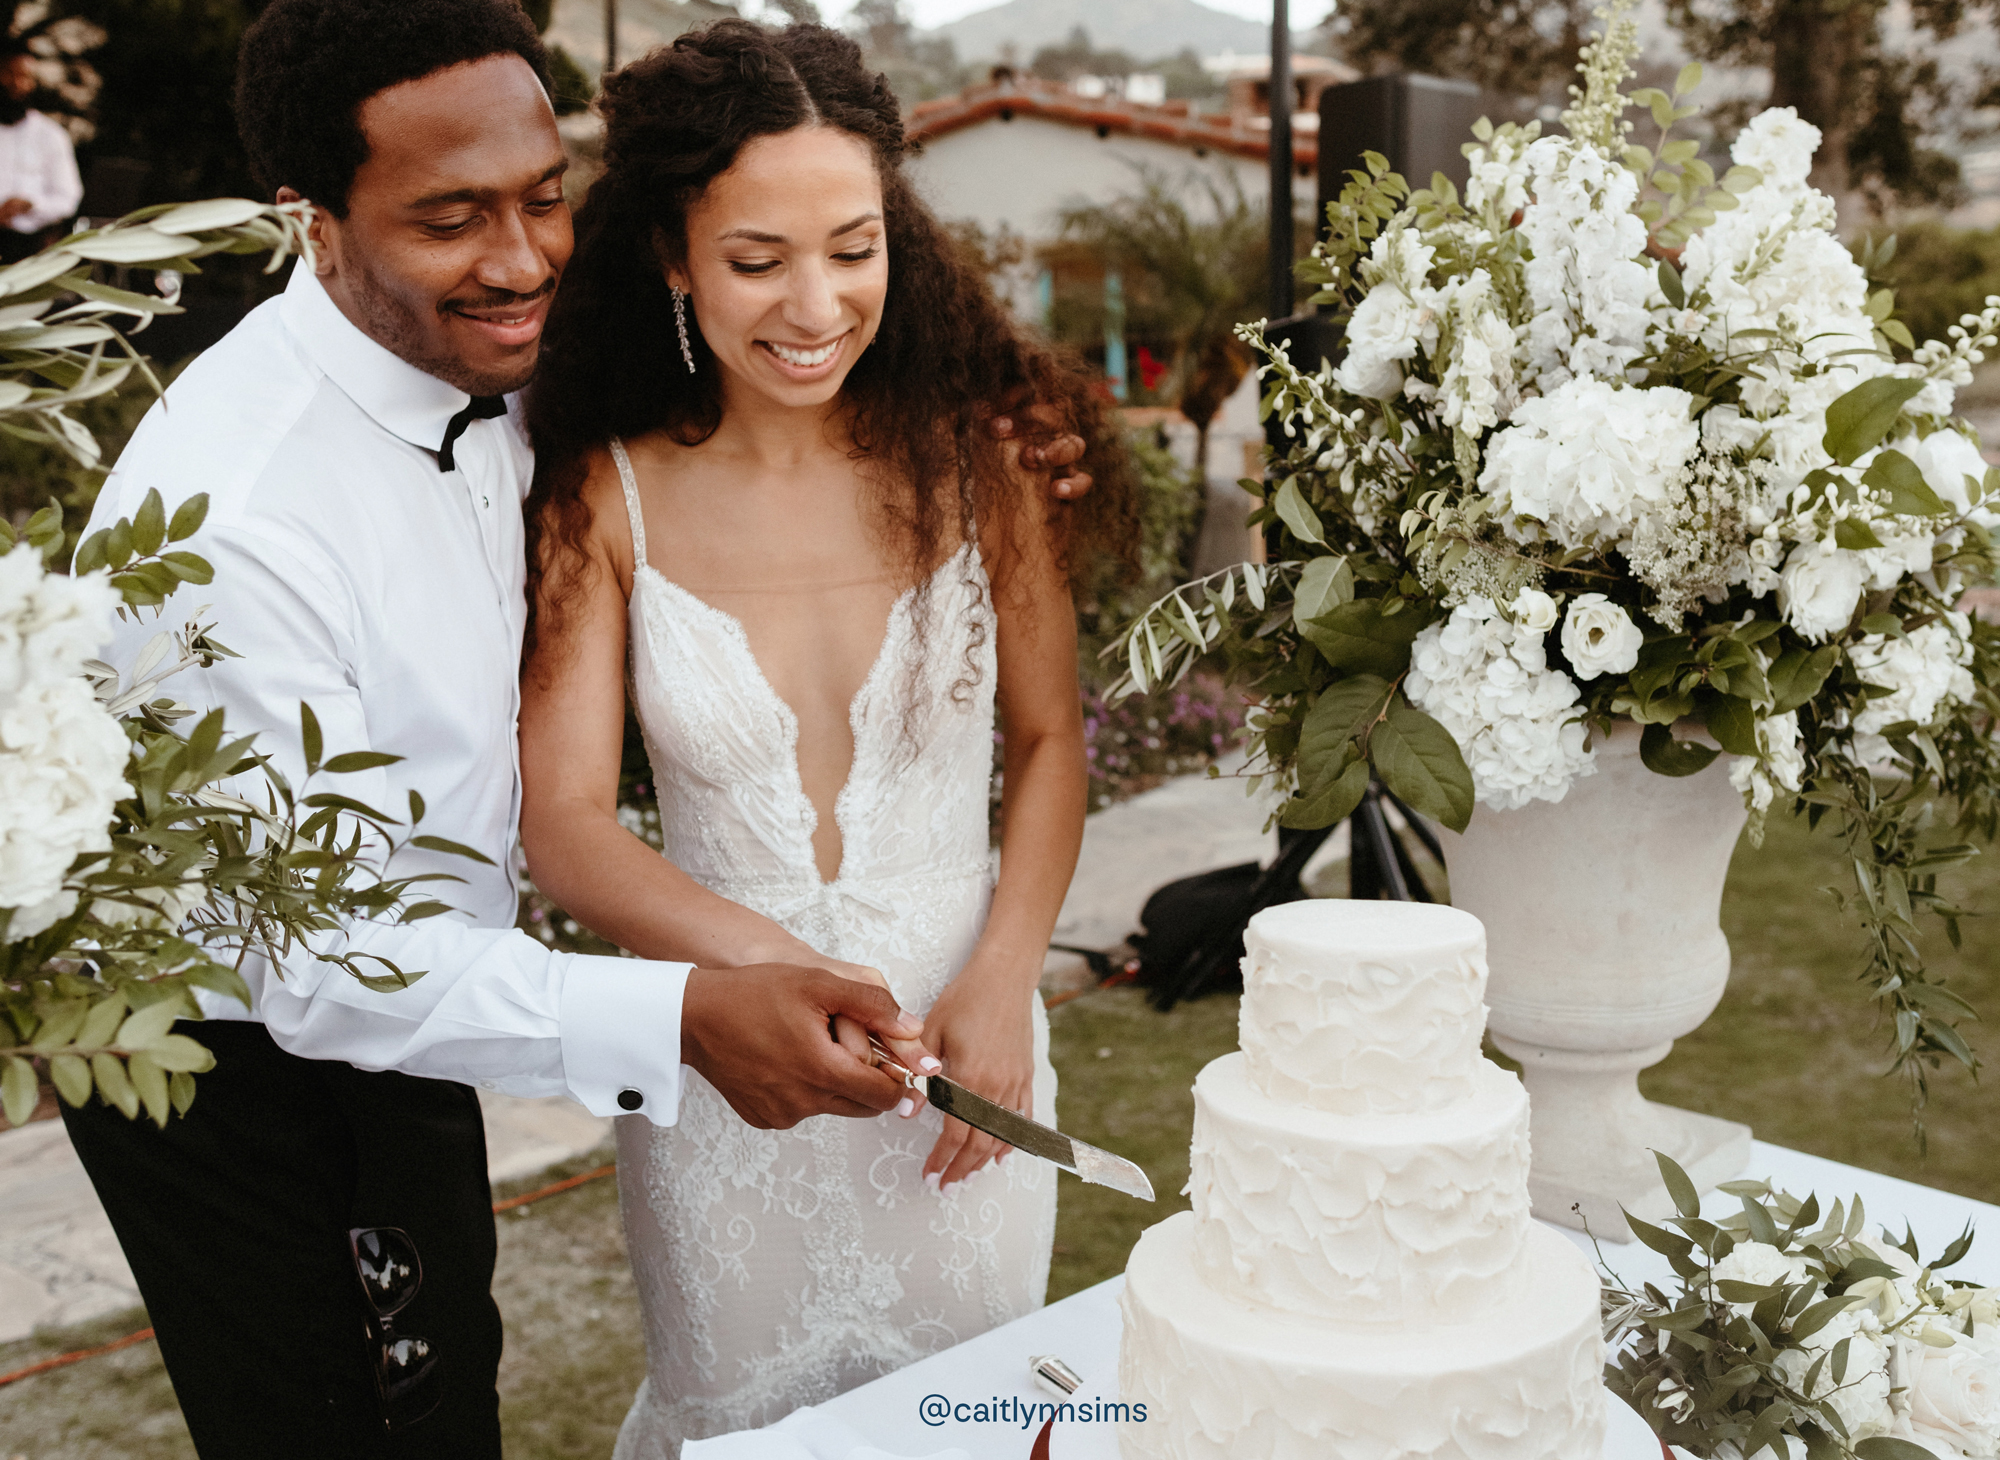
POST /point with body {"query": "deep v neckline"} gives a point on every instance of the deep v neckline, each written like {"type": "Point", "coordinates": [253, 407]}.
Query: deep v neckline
{"type": "Point", "coordinates": [738, 636]}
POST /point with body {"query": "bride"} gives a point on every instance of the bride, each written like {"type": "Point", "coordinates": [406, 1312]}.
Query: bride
{"type": "Point", "coordinates": [766, 503]}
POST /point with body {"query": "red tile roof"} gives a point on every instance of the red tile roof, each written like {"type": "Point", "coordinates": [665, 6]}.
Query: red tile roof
{"type": "Point", "coordinates": [1174, 122]}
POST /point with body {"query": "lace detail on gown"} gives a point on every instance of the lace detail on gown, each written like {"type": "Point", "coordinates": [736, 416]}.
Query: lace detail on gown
{"type": "Point", "coordinates": [780, 1268]}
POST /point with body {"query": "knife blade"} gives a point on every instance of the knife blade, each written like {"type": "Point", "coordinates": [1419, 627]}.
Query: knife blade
{"type": "Point", "coordinates": [1099, 1167]}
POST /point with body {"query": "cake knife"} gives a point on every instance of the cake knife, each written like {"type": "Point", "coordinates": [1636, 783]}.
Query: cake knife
{"type": "Point", "coordinates": [1098, 1167]}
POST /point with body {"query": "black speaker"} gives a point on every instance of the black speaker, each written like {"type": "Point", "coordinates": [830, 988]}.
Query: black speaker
{"type": "Point", "coordinates": [1420, 123]}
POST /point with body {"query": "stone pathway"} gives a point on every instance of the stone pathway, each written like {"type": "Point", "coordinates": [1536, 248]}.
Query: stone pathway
{"type": "Point", "coordinates": [60, 1264]}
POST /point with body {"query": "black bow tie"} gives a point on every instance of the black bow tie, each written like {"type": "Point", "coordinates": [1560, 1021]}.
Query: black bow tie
{"type": "Point", "coordinates": [479, 408]}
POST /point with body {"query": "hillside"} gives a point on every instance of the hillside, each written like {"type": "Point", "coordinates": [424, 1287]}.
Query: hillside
{"type": "Point", "coordinates": [1143, 29]}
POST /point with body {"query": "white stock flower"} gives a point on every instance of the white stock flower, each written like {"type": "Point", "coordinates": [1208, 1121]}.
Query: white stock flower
{"type": "Point", "coordinates": [49, 623]}
{"type": "Point", "coordinates": [1952, 1394]}
{"type": "Point", "coordinates": [1589, 460]}
{"type": "Point", "coordinates": [1782, 763]}
{"type": "Point", "coordinates": [1587, 282]}
{"type": "Point", "coordinates": [1924, 671]}
{"type": "Point", "coordinates": [62, 769]}
{"type": "Point", "coordinates": [1819, 587]}
{"type": "Point", "coordinates": [1478, 389]}
{"type": "Point", "coordinates": [1488, 682]}
{"type": "Point", "coordinates": [1399, 315]}
{"type": "Point", "coordinates": [1534, 611]}
{"type": "Point", "coordinates": [1599, 637]}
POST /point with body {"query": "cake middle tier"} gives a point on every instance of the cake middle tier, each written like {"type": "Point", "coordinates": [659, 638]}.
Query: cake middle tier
{"type": "Point", "coordinates": [1415, 1218]}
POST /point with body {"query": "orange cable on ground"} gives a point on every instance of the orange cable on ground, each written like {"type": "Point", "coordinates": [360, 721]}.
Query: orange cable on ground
{"type": "Point", "coordinates": [64, 1360]}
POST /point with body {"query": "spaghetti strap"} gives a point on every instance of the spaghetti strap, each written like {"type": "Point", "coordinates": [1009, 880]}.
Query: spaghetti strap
{"type": "Point", "coordinates": [632, 513]}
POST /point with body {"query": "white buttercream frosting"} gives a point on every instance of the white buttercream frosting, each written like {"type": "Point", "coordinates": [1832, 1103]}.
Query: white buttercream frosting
{"type": "Point", "coordinates": [1223, 1379]}
{"type": "Point", "coordinates": [1411, 1219]}
{"type": "Point", "coordinates": [1364, 1006]}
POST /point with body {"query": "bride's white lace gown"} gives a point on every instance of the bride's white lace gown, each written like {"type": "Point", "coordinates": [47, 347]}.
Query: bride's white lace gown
{"type": "Point", "coordinates": [780, 1268]}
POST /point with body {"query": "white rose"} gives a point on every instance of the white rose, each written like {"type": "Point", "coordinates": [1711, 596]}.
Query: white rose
{"type": "Point", "coordinates": [1946, 459]}
{"type": "Point", "coordinates": [1818, 589]}
{"type": "Point", "coordinates": [1953, 1394]}
{"type": "Point", "coordinates": [62, 769]}
{"type": "Point", "coordinates": [1599, 637]}
{"type": "Point", "coordinates": [1534, 611]}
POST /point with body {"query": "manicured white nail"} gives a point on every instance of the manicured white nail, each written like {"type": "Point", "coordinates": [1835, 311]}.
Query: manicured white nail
{"type": "Point", "coordinates": [931, 1066]}
{"type": "Point", "coordinates": [952, 1190]}
{"type": "Point", "coordinates": [932, 1180]}
{"type": "Point", "coordinates": [906, 1107]}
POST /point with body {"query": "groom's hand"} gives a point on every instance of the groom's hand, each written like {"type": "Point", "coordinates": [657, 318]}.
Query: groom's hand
{"type": "Point", "coordinates": [761, 1035]}
{"type": "Point", "coordinates": [1045, 446]}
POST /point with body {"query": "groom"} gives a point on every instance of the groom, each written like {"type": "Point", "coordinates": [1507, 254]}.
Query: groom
{"type": "Point", "coordinates": [313, 1240]}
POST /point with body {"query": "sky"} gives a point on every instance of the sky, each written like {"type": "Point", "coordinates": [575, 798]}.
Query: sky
{"type": "Point", "coordinates": [929, 13]}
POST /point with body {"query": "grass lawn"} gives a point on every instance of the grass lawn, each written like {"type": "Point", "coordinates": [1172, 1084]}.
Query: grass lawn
{"type": "Point", "coordinates": [1794, 1051]}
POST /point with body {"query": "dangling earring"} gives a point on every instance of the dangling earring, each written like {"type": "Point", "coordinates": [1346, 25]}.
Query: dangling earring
{"type": "Point", "coordinates": [681, 324]}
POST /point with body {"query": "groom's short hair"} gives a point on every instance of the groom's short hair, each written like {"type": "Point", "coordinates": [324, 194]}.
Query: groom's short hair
{"type": "Point", "coordinates": [307, 66]}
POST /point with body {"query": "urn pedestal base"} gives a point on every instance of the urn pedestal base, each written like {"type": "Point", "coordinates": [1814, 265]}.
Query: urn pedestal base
{"type": "Point", "coordinates": [1595, 1134]}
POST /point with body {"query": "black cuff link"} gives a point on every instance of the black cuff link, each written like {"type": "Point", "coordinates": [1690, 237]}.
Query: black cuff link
{"type": "Point", "coordinates": [629, 1099]}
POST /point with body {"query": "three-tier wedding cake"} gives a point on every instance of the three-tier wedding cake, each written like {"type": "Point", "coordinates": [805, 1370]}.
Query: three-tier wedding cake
{"type": "Point", "coordinates": [1359, 1276]}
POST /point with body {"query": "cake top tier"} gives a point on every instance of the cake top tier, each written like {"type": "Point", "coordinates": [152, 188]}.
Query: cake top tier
{"type": "Point", "coordinates": [1363, 1006]}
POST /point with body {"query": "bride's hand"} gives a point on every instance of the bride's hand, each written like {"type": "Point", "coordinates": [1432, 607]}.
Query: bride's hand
{"type": "Point", "coordinates": [983, 1028]}
{"type": "Point", "coordinates": [854, 1039]}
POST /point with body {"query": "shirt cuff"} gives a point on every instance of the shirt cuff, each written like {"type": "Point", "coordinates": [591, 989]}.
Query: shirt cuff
{"type": "Point", "coordinates": [621, 1035]}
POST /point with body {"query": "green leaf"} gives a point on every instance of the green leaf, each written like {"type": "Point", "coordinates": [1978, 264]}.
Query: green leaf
{"type": "Point", "coordinates": [1797, 674]}
{"type": "Point", "coordinates": [1909, 495]}
{"type": "Point", "coordinates": [146, 1027]}
{"type": "Point", "coordinates": [189, 567]}
{"type": "Point", "coordinates": [1855, 535]}
{"type": "Point", "coordinates": [1857, 422]}
{"type": "Point", "coordinates": [188, 518]}
{"type": "Point", "coordinates": [1733, 724]}
{"type": "Point", "coordinates": [114, 1085]}
{"type": "Point", "coordinates": [180, 1089]}
{"type": "Point", "coordinates": [1358, 637]}
{"type": "Point", "coordinates": [1667, 756]}
{"type": "Point", "coordinates": [101, 1022]}
{"type": "Point", "coordinates": [310, 737]}
{"type": "Point", "coordinates": [178, 1053]}
{"type": "Point", "coordinates": [1296, 514]}
{"type": "Point", "coordinates": [358, 760]}
{"type": "Point", "coordinates": [1689, 78]}
{"type": "Point", "coordinates": [1687, 1201]}
{"type": "Point", "coordinates": [90, 556]}
{"type": "Point", "coordinates": [1342, 714]}
{"type": "Point", "coordinates": [1331, 802]}
{"type": "Point", "coordinates": [18, 1091]}
{"type": "Point", "coordinates": [456, 849]}
{"type": "Point", "coordinates": [71, 1077]}
{"type": "Point", "coordinates": [1671, 286]}
{"type": "Point", "coordinates": [1667, 1244]}
{"type": "Point", "coordinates": [1819, 1315]}
{"type": "Point", "coordinates": [1888, 1447]}
{"type": "Point", "coordinates": [1324, 585]}
{"type": "Point", "coordinates": [149, 525]}
{"type": "Point", "coordinates": [150, 1081]}
{"type": "Point", "coordinates": [1420, 762]}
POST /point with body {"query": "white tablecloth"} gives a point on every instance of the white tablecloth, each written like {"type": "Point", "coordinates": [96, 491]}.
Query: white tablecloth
{"type": "Point", "coordinates": [899, 1414]}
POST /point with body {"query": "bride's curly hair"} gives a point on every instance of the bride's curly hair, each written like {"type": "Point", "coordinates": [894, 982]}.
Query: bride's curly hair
{"type": "Point", "coordinates": [946, 354]}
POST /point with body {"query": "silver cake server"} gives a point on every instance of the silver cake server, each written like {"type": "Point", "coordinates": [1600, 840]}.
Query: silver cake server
{"type": "Point", "coordinates": [1098, 1167]}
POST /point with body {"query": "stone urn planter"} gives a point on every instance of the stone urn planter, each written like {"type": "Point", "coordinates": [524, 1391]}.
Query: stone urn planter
{"type": "Point", "coordinates": [1604, 946]}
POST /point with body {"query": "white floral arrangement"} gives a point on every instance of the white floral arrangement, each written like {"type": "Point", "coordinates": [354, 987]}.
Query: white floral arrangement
{"type": "Point", "coordinates": [1613, 439]}
{"type": "Point", "coordinates": [1792, 1331]}
{"type": "Point", "coordinates": [141, 858]}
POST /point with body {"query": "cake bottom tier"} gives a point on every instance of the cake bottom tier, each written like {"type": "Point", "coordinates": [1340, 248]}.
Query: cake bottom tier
{"type": "Point", "coordinates": [1222, 1379]}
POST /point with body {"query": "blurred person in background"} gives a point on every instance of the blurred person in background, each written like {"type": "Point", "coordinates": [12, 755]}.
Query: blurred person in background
{"type": "Point", "coordinates": [39, 184]}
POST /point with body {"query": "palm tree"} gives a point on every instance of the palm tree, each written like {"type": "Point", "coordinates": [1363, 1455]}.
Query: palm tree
{"type": "Point", "coordinates": [1192, 274]}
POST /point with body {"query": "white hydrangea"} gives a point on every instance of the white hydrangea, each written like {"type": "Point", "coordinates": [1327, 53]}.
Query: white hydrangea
{"type": "Point", "coordinates": [1924, 670]}
{"type": "Point", "coordinates": [1862, 1397]}
{"type": "Point", "coordinates": [1759, 1263]}
{"type": "Point", "coordinates": [1781, 762]}
{"type": "Point", "coordinates": [1398, 316]}
{"type": "Point", "coordinates": [49, 624]}
{"type": "Point", "coordinates": [62, 770]}
{"type": "Point", "coordinates": [1515, 720]}
{"type": "Point", "coordinates": [1589, 460]}
{"type": "Point", "coordinates": [1587, 282]}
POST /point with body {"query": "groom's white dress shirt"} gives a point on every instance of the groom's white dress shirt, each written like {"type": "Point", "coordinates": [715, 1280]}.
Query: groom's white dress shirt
{"type": "Point", "coordinates": [355, 575]}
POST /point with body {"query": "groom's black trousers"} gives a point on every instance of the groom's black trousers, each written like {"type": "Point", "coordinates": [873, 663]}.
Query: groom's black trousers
{"type": "Point", "coordinates": [235, 1221]}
